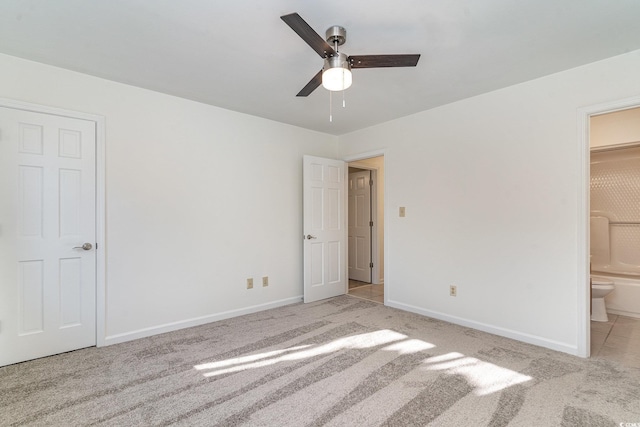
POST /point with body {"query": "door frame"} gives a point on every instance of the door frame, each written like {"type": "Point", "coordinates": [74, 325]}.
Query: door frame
{"type": "Point", "coordinates": [100, 200]}
{"type": "Point", "coordinates": [584, 210]}
{"type": "Point", "coordinates": [375, 277]}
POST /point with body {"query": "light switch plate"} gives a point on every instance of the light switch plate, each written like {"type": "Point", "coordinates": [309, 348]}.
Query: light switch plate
{"type": "Point", "coordinates": [402, 211]}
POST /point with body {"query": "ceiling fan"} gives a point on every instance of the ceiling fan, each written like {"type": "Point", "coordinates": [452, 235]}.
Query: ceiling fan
{"type": "Point", "coordinates": [336, 73]}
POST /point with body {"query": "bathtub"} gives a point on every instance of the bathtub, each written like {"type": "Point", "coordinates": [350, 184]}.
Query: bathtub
{"type": "Point", "coordinates": [625, 299]}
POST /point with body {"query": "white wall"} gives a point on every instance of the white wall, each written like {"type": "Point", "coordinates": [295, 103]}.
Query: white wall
{"type": "Point", "coordinates": [198, 199]}
{"type": "Point", "coordinates": [490, 186]}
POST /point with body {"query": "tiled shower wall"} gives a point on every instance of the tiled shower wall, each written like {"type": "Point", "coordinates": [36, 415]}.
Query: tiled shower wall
{"type": "Point", "coordinates": [615, 194]}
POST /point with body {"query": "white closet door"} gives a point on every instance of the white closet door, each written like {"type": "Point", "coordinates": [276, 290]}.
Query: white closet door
{"type": "Point", "coordinates": [47, 214]}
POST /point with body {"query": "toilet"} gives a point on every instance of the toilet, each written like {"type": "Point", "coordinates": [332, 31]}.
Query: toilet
{"type": "Point", "coordinates": [600, 288]}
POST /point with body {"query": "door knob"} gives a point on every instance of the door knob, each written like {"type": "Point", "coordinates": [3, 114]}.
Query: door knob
{"type": "Point", "coordinates": [309, 236]}
{"type": "Point", "coordinates": [86, 247]}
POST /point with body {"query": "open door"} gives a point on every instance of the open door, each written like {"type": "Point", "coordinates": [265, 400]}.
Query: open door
{"type": "Point", "coordinates": [324, 228]}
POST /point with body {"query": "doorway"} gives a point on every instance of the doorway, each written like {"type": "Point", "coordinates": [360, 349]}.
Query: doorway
{"type": "Point", "coordinates": [588, 345]}
{"type": "Point", "coordinates": [615, 231]}
{"type": "Point", "coordinates": [366, 228]}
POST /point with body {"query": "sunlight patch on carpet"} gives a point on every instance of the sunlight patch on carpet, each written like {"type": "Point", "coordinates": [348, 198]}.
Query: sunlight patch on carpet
{"type": "Point", "coordinates": [247, 359]}
{"type": "Point", "coordinates": [486, 377]}
{"type": "Point", "coordinates": [409, 346]}
{"type": "Point", "coordinates": [360, 341]}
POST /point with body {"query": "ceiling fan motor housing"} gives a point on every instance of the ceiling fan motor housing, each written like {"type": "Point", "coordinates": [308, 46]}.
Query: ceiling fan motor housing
{"type": "Point", "coordinates": [339, 61]}
{"type": "Point", "coordinates": [336, 34]}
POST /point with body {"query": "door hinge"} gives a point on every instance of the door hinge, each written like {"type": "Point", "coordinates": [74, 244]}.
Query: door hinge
{"type": "Point", "coordinates": [370, 223]}
{"type": "Point", "coordinates": [370, 265]}
{"type": "Point", "coordinates": [96, 246]}
{"type": "Point", "coordinates": [370, 183]}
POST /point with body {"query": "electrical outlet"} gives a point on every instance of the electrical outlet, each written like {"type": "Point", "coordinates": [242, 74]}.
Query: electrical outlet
{"type": "Point", "coordinates": [249, 283]}
{"type": "Point", "coordinates": [265, 281]}
{"type": "Point", "coordinates": [453, 290]}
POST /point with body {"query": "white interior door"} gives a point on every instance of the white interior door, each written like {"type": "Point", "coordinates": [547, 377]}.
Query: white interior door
{"type": "Point", "coordinates": [47, 213]}
{"type": "Point", "coordinates": [360, 226]}
{"type": "Point", "coordinates": [324, 227]}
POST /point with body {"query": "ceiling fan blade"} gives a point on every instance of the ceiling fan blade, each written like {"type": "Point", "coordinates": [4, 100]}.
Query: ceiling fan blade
{"type": "Point", "coordinates": [312, 85]}
{"type": "Point", "coordinates": [307, 34]}
{"type": "Point", "coordinates": [375, 61]}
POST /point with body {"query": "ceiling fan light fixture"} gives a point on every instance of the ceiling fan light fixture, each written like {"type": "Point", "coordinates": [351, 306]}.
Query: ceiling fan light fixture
{"type": "Point", "coordinates": [336, 79]}
{"type": "Point", "coordinates": [336, 73]}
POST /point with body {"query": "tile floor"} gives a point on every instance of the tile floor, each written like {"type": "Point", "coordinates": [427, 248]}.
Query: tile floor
{"type": "Point", "coordinates": [618, 340]}
{"type": "Point", "coordinates": [367, 291]}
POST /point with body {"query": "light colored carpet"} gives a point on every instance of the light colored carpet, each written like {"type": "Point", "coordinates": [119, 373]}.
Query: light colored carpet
{"type": "Point", "coordinates": [338, 362]}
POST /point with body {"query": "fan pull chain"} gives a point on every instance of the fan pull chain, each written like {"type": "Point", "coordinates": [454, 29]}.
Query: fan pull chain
{"type": "Point", "coordinates": [330, 108]}
{"type": "Point", "coordinates": [343, 102]}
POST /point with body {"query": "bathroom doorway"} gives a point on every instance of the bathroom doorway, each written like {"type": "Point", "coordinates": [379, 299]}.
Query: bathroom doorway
{"type": "Point", "coordinates": [366, 228]}
{"type": "Point", "coordinates": [614, 230]}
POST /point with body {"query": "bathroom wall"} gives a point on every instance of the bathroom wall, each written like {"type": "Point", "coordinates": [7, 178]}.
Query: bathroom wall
{"type": "Point", "coordinates": [620, 127]}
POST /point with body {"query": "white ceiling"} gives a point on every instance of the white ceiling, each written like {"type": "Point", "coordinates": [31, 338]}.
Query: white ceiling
{"type": "Point", "coordinates": [239, 55]}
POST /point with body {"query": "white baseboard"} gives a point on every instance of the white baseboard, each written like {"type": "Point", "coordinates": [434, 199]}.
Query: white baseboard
{"type": "Point", "coordinates": [624, 313]}
{"type": "Point", "coordinates": [496, 330]}
{"type": "Point", "coordinates": [188, 323]}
